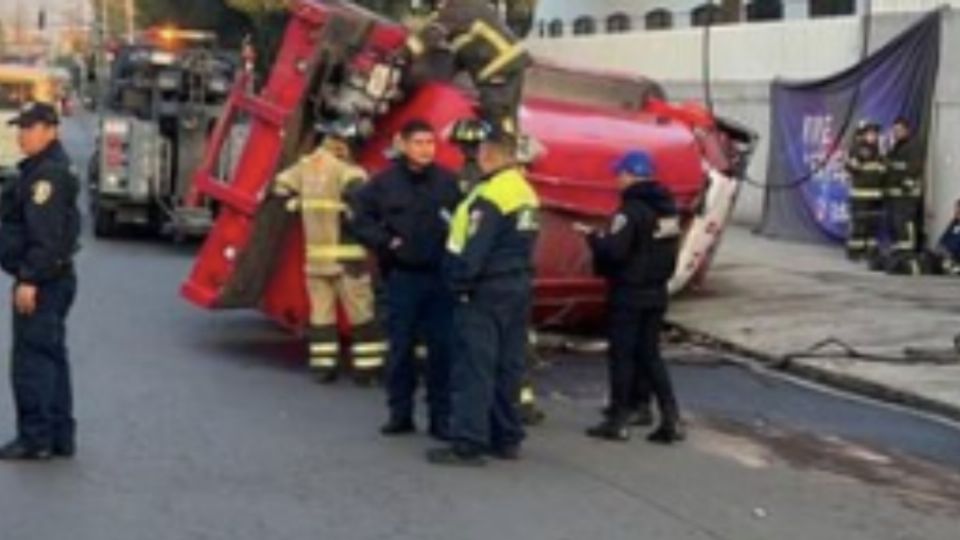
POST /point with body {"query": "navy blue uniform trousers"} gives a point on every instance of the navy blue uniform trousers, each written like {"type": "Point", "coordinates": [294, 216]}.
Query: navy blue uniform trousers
{"type": "Point", "coordinates": [488, 368]}
{"type": "Point", "coordinates": [636, 366]}
{"type": "Point", "coordinates": [419, 306]}
{"type": "Point", "coordinates": [40, 370]}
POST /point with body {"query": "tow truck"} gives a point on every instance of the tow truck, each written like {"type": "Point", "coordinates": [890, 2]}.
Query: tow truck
{"type": "Point", "coordinates": [162, 99]}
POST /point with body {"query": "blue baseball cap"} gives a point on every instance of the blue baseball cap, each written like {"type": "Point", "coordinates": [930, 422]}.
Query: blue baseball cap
{"type": "Point", "coordinates": [34, 112]}
{"type": "Point", "coordinates": [636, 163]}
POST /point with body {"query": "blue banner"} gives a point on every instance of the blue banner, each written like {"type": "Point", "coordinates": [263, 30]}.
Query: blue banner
{"type": "Point", "coordinates": [813, 122]}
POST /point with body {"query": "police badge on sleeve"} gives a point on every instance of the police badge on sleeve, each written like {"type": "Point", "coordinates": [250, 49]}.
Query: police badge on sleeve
{"type": "Point", "coordinates": [42, 191]}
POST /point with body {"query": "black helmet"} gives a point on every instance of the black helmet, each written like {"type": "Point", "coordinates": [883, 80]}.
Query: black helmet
{"type": "Point", "coordinates": [345, 127]}
{"type": "Point", "coordinates": [469, 131]}
{"type": "Point", "coordinates": [866, 125]}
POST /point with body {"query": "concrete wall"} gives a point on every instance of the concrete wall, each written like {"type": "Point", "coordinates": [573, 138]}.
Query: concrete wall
{"type": "Point", "coordinates": [747, 58]}
{"type": "Point", "coordinates": [739, 53]}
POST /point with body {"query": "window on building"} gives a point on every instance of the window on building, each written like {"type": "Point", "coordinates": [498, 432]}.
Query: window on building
{"type": "Point", "coordinates": [618, 23]}
{"type": "Point", "coordinates": [658, 19]}
{"type": "Point", "coordinates": [708, 14]}
{"type": "Point", "coordinates": [584, 26]}
{"type": "Point", "coordinates": [765, 10]}
{"type": "Point", "coordinates": [828, 8]}
{"type": "Point", "coordinates": [555, 28]}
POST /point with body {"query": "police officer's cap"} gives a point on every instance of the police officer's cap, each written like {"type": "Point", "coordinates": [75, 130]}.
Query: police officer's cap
{"type": "Point", "coordinates": [35, 112]}
{"type": "Point", "coordinates": [635, 163]}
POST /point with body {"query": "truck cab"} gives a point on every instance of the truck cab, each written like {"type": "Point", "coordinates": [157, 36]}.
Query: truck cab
{"type": "Point", "coordinates": [160, 103]}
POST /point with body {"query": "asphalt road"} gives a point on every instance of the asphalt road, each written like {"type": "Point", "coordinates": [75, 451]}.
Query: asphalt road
{"type": "Point", "coordinates": [204, 426]}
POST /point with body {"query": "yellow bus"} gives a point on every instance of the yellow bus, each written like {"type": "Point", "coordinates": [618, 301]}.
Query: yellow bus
{"type": "Point", "coordinates": [19, 84]}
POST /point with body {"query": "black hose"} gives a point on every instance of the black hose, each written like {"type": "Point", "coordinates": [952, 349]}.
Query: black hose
{"type": "Point", "coordinates": [848, 116]}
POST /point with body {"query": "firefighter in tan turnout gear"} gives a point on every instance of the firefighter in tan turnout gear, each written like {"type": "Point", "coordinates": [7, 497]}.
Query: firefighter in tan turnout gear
{"type": "Point", "coordinates": [337, 270]}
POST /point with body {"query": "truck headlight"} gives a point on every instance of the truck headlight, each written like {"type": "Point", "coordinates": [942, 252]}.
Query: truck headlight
{"type": "Point", "coordinates": [218, 85]}
{"type": "Point", "coordinates": [168, 80]}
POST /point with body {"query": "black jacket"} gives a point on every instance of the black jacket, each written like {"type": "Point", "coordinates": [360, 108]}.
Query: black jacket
{"type": "Point", "coordinates": [637, 254]}
{"type": "Point", "coordinates": [867, 170]}
{"type": "Point", "coordinates": [482, 44]}
{"type": "Point", "coordinates": [905, 170]}
{"type": "Point", "coordinates": [413, 206]}
{"type": "Point", "coordinates": [39, 219]}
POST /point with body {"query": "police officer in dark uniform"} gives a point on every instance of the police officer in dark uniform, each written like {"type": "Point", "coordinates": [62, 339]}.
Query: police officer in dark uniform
{"type": "Point", "coordinates": [904, 183]}
{"type": "Point", "coordinates": [402, 216]}
{"type": "Point", "coordinates": [39, 226]}
{"type": "Point", "coordinates": [483, 46]}
{"type": "Point", "coordinates": [490, 269]}
{"type": "Point", "coordinates": [637, 254]}
{"type": "Point", "coordinates": [867, 175]}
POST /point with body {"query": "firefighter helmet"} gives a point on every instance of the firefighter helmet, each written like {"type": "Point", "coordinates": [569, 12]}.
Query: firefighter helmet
{"type": "Point", "coordinates": [345, 127]}
{"type": "Point", "coordinates": [469, 131]}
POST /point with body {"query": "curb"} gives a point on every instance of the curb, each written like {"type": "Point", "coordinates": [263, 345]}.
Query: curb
{"type": "Point", "coordinates": [842, 381]}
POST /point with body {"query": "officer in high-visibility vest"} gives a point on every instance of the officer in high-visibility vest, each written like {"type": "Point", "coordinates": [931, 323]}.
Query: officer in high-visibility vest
{"type": "Point", "coordinates": [337, 269]}
{"type": "Point", "coordinates": [867, 173]}
{"type": "Point", "coordinates": [490, 269]}
{"type": "Point", "coordinates": [467, 134]}
{"type": "Point", "coordinates": [484, 47]}
{"type": "Point", "coordinates": [904, 183]}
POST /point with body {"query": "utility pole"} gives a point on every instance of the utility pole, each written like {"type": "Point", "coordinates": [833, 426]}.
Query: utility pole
{"type": "Point", "coordinates": [131, 15]}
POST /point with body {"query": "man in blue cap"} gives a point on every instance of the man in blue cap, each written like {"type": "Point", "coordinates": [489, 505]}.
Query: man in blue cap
{"type": "Point", "coordinates": [637, 254]}
{"type": "Point", "coordinates": [39, 226]}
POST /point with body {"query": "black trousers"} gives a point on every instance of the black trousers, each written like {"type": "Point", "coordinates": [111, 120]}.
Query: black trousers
{"type": "Point", "coordinates": [489, 365]}
{"type": "Point", "coordinates": [635, 362]}
{"type": "Point", "coordinates": [419, 307]}
{"type": "Point", "coordinates": [40, 370]}
{"type": "Point", "coordinates": [866, 222]}
{"type": "Point", "coordinates": [500, 100]}
{"type": "Point", "coordinates": [903, 214]}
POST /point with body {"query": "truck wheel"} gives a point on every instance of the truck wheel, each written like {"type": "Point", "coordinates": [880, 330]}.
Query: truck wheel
{"type": "Point", "coordinates": [104, 223]}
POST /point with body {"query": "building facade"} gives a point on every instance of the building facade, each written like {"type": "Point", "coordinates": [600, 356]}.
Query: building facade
{"type": "Point", "coordinates": [561, 18]}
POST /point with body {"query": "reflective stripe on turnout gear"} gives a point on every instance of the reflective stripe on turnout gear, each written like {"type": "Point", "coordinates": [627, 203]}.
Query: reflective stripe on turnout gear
{"type": "Point", "coordinates": [316, 203]}
{"type": "Point", "coordinates": [373, 347]}
{"type": "Point", "coordinates": [351, 252]}
{"type": "Point", "coordinates": [506, 52]}
{"type": "Point", "coordinates": [527, 395]}
{"type": "Point", "coordinates": [366, 363]}
{"type": "Point", "coordinates": [324, 362]}
{"type": "Point", "coordinates": [324, 348]}
{"type": "Point", "coordinates": [866, 193]}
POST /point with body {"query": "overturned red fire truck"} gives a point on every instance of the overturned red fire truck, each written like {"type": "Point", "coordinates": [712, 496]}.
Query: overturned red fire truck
{"type": "Point", "coordinates": [338, 56]}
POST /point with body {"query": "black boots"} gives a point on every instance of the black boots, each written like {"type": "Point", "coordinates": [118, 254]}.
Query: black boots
{"type": "Point", "coordinates": [456, 455]}
{"type": "Point", "coordinates": [17, 451]}
{"type": "Point", "coordinates": [398, 426]}
{"type": "Point", "coordinates": [610, 430]}
{"type": "Point", "coordinates": [668, 432]}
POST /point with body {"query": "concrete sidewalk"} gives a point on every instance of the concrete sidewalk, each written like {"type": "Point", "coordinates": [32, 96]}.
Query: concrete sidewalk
{"type": "Point", "coordinates": [773, 299]}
